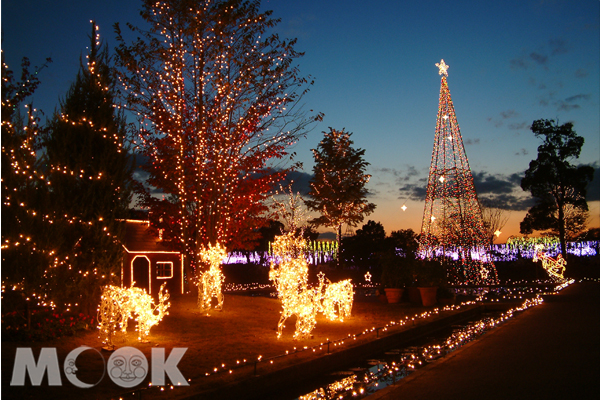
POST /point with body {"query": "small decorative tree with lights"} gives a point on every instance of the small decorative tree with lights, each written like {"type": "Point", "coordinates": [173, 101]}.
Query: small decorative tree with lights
{"type": "Point", "coordinates": [452, 218]}
{"type": "Point", "coordinates": [210, 281]}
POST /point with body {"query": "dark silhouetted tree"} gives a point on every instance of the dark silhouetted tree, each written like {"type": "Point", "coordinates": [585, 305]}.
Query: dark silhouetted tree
{"type": "Point", "coordinates": [559, 188]}
{"type": "Point", "coordinates": [90, 180]}
{"type": "Point", "coordinates": [366, 247]}
{"type": "Point", "coordinates": [24, 254]}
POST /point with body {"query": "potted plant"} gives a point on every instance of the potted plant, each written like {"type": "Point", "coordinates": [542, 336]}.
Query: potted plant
{"type": "Point", "coordinates": [430, 276]}
{"type": "Point", "coordinates": [445, 295]}
{"type": "Point", "coordinates": [396, 274]}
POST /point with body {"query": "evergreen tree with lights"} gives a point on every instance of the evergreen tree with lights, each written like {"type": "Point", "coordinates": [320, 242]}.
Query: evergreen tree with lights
{"type": "Point", "coordinates": [24, 252]}
{"type": "Point", "coordinates": [559, 188]}
{"type": "Point", "coordinates": [218, 104]}
{"type": "Point", "coordinates": [338, 188]}
{"type": "Point", "coordinates": [452, 218]}
{"type": "Point", "coordinates": [90, 179]}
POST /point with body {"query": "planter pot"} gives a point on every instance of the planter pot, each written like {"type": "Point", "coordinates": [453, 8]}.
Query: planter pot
{"type": "Point", "coordinates": [414, 295]}
{"type": "Point", "coordinates": [383, 298]}
{"type": "Point", "coordinates": [393, 294]}
{"type": "Point", "coordinates": [428, 295]}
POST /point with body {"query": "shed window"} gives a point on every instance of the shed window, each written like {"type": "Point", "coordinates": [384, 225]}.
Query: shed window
{"type": "Point", "coordinates": [164, 269]}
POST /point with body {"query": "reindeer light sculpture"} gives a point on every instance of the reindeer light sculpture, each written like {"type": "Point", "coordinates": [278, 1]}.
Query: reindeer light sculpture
{"type": "Point", "coordinates": [119, 304]}
{"type": "Point", "coordinates": [337, 298]}
{"type": "Point", "coordinates": [291, 280]}
{"type": "Point", "coordinates": [554, 267]}
{"type": "Point", "coordinates": [290, 275]}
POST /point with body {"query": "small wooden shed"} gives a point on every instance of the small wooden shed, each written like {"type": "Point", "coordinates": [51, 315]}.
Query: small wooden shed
{"type": "Point", "coordinates": [148, 262]}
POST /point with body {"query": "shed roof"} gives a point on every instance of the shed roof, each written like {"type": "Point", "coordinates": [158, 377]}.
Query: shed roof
{"type": "Point", "coordinates": [139, 239]}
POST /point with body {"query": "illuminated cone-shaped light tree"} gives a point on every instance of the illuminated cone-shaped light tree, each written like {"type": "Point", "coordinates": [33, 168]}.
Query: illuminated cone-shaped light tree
{"type": "Point", "coordinates": [452, 228]}
{"type": "Point", "coordinates": [217, 99]}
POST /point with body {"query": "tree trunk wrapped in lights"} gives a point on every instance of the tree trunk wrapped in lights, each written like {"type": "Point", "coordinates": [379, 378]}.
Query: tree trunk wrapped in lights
{"type": "Point", "coordinates": [210, 282]}
{"type": "Point", "coordinates": [452, 218]}
{"type": "Point", "coordinates": [119, 304]}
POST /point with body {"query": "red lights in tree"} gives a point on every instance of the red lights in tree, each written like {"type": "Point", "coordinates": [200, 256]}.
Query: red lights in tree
{"type": "Point", "coordinates": [452, 219]}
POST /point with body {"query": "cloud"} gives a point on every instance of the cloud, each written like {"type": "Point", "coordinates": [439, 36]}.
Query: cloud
{"type": "Point", "coordinates": [558, 46]}
{"type": "Point", "coordinates": [539, 58]}
{"type": "Point", "coordinates": [501, 191]}
{"type": "Point", "coordinates": [577, 97]}
{"type": "Point", "coordinates": [508, 202]}
{"type": "Point", "coordinates": [593, 188]}
{"type": "Point", "coordinates": [496, 184]}
{"type": "Point", "coordinates": [518, 63]}
{"type": "Point", "coordinates": [518, 126]}
{"type": "Point", "coordinates": [563, 106]}
{"type": "Point", "coordinates": [414, 191]}
{"type": "Point", "coordinates": [581, 73]}
{"type": "Point", "coordinates": [542, 55]}
{"type": "Point", "coordinates": [505, 115]}
{"type": "Point", "coordinates": [522, 152]}
{"type": "Point", "coordinates": [300, 182]}
{"type": "Point", "coordinates": [509, 114]}
{"type": "Point", "coordinates": [471, 141]}
{"type": "Point", "coordinates": [496, 190]}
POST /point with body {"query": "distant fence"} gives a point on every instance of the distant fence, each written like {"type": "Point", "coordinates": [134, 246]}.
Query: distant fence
{"type": "Point", "coordinates": [498, 252]}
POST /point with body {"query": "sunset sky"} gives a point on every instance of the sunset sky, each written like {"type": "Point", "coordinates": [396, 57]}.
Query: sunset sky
{"type": "Point", "coordinates": [511, 62]}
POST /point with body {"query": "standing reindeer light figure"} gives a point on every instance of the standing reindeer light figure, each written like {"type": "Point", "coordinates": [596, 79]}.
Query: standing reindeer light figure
{"type": "Point", "coordinates": [289, 272]}
{"type": "Point", "coordinates": [291, 280]}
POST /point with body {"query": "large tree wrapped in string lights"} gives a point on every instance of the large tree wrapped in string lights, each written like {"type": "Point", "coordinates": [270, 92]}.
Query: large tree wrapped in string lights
{"type": "Point", "coordinates": [452, 229]}
{"type": "Point", "coordinates": [217, 95]}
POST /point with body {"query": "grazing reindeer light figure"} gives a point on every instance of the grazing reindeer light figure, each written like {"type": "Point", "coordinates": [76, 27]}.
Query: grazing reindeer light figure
{"type": "Point", "coordinates": [290, 275]}
{"type": "Point", "coordinates": [210, 282]}
{"type": "Point", "coordinates": [555, 268]}
{"type": "Point", "coordinates": [119, 304]}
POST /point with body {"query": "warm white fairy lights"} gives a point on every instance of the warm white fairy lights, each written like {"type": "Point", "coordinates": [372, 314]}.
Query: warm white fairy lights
{"type": "Point", "coordinates": [335, 298]}
{"type": "Point", "coordinates": [443, 67]}
{"type": "Point", "coordinates": [210, 282]}
{"type": "Point", "coordinates": [119, 304]}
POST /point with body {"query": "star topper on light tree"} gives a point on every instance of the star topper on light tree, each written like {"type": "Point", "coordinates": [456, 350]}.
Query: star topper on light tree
{"type": "Point", "coordinates": [452, 229]}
